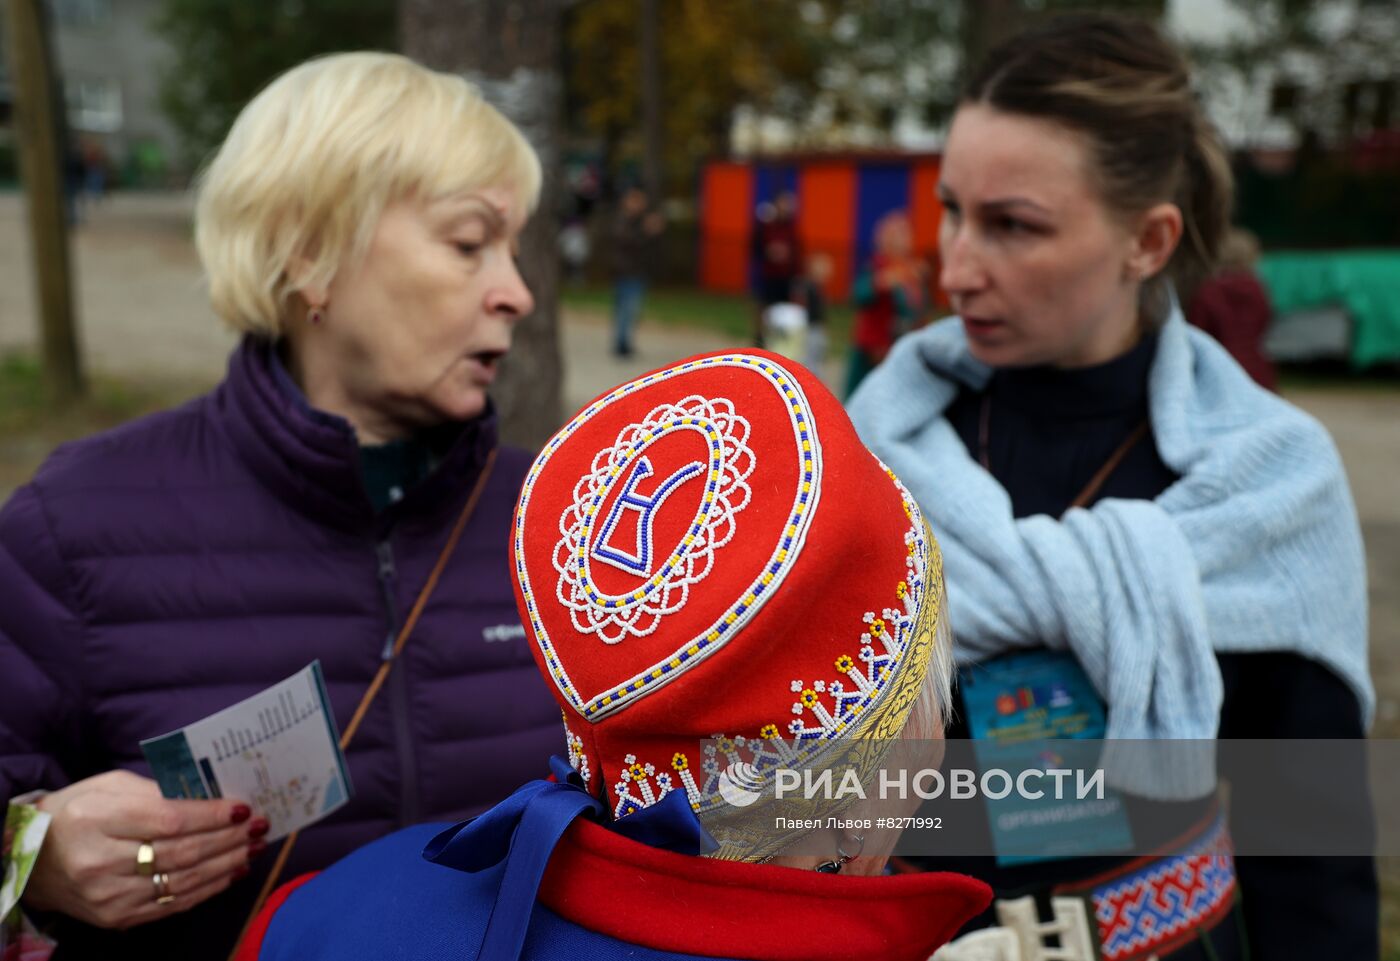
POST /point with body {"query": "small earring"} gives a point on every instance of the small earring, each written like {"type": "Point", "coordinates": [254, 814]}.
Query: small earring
{"type": "Point", "coordinates": [315, 315]}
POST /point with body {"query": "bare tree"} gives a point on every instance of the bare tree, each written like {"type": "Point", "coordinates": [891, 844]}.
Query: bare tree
{"type": "Point", "coordinates": [510, 50]}
{"type": "Point", "coordinates": [38, 113]}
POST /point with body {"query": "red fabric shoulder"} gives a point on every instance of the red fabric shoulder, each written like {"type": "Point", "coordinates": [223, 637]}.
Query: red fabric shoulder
{"type": "Point", "coordinates": [692, 905]}
{"type": "Point", "coordinates": [251, 945]}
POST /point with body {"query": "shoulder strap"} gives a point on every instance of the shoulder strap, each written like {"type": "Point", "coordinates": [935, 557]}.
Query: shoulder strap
{"type": "Point", "coordinates": [378, 682]}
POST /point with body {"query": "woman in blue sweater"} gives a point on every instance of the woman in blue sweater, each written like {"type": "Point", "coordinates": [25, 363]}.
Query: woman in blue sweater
{"type": "Point", "coordinates": [1130, 524]}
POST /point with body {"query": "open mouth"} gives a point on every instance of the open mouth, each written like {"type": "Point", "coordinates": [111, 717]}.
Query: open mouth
{"type": "Point", "coordinates": [980, 325]}
{"type": "Point", "coordinates": [488, 358]}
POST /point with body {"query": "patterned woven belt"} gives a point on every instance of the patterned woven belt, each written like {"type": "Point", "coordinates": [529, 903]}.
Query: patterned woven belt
{"type": "Point", "coordinates": [1155, 905]}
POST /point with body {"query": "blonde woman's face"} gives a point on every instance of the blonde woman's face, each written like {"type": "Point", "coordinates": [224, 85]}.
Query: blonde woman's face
{"type": "Point", "coordinates": [419, 327]}
{"type": "Point", "coordinates": [1033, 260]}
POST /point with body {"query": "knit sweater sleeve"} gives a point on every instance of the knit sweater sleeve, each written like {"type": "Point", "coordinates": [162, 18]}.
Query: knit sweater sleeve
{"type": "Point", "coordinates": [39, 647]}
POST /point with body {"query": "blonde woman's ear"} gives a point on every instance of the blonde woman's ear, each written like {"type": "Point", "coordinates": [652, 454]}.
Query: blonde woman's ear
{"type": "Point", "coordinates": [313, 293]}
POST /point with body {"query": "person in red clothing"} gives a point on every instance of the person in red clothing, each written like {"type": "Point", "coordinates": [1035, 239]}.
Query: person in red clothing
{"type": "Point", "coordinates": [892, 294]}
{"type": "Point", "coordinates": [1233, 307]}
{"type": "Point", "coordinates": [778, 254]}
{"type": "Point", "coordinates": [679, 551]}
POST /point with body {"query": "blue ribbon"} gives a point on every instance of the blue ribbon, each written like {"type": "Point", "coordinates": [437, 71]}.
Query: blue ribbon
{"type": "Point", "coordinates": [522, 831]}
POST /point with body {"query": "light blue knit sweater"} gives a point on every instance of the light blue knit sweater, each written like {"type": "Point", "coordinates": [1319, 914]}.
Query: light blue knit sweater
{"type": "Point", "coordinates": [1255, 548]}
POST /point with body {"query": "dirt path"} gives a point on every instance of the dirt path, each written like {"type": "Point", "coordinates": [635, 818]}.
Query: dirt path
{"type": "Point", "coordinates": [144, 316]}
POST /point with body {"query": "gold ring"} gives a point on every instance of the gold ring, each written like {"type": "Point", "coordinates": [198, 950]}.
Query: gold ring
{"type": "Point", "coordinates": [162, 883]}
{"type": "Point", "coordinates": [145, 859]}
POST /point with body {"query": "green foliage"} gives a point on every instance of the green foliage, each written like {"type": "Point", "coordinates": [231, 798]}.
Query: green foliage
{"type": "Point", "coordinates": [1317, 50]}
{"type": "Point", "coordinates": [30, 427]}
{"type": "Point", "coordinates": [25, 407]}
{"type": "Point", "coordinates": [225, 52]}
{"type": "Point", "coordinates": [715, 54]}
{"type": "Point", "coordinates": [1321, 202]}
{"type": "Point", "coordinates": [886, 57]}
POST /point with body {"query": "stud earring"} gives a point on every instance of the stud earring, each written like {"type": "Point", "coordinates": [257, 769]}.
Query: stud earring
{"type": "Point", "coordinates": [316, 315]}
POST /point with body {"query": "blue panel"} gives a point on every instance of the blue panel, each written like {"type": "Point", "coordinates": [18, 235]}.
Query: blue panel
{"type": "Point", "coordinates": [768, 182]}
{"type": "Point", "coordinates": [879, 190]}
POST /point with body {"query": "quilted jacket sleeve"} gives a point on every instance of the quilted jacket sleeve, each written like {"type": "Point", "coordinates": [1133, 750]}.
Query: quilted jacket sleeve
{"type": "Point", "coordinates": [40, 681]}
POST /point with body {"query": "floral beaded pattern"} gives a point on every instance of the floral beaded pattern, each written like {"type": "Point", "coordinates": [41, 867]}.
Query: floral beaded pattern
{"type": "Point", "coordinates": [641, 785]}
{"type": "Point", "coordinates": [578, 760]}
{"type": "Point", "coordinates": [892, 651]}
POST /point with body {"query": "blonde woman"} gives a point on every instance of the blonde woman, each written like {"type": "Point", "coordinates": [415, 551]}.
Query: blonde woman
{"type": "Point", "coordinates": [359, 227]}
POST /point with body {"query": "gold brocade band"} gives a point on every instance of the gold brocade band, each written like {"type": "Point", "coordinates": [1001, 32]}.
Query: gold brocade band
{"type": "Point", "coordinates": [749, 833]}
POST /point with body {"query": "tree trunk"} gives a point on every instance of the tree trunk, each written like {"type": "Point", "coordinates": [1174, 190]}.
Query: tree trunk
{"type": "Point", "coordinates": [651, 99]}
{"type": "Point", "coordinates": [39, 116]}
{"type": "Point", "coordinates": [510, 49]}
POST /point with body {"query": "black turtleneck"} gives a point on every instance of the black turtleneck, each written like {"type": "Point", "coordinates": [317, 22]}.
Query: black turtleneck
{"type": "Point", "coordinates": [1050, 430]}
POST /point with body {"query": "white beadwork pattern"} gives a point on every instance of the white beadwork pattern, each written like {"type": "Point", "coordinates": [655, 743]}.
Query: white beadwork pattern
{"type": "Point", "coordinates": [742, 609]}
{"type": "Point", "coordinates": [824, 709]}
{"type": "Point", "coordinates": [577, 759]}
{"type": "Point", "coordinates": [641, 786]}
{"type": "Point", "coordinates": [613, 617]}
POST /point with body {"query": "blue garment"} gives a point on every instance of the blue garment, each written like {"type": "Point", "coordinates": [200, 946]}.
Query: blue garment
{"type": "Point", "coordinates": [627, 310]}
{"type": "Point", "coordinates": [508, 848]}
{"type": "Point", "coordinates": [1255, 548]}
{"type": "Point", "coordinates": [418, 910]}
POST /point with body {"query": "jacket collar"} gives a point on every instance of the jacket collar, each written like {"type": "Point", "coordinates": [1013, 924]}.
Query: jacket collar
{"type": "Point", "coordinates": [692, 905]}
{"type": "Point", "coordinates": [310, 458]}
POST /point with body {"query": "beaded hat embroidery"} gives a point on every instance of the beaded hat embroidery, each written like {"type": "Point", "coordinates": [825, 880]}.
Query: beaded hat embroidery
{"type": "Point", "coordinates": [715, 570]}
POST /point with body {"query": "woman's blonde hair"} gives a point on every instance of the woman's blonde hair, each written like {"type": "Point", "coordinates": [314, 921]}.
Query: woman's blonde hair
{"type": "Point", "coordinates": [313, 160]}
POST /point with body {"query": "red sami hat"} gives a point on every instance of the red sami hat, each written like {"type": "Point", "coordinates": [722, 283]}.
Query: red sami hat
{"type": "Point", "coordinates": [710, 552]}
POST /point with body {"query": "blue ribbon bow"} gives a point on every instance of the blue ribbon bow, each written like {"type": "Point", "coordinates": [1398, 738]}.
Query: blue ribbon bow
{"type": "Point", "coordinates": [522, 831]}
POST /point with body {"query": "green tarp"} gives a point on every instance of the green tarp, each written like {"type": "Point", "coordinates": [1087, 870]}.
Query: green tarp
{"type": "Point", "coordinates": [1365, 282]}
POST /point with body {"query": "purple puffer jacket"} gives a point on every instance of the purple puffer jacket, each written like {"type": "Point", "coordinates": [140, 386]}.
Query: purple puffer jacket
{"type": "Point", "coordinates": [161, 571]}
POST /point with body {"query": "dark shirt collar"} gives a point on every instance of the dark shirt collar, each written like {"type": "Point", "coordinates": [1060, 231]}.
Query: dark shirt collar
{"type": "Point", "coordinates": [391, 469]}
{"type": "Point", "coordinates": [1116, 387]}
{"type": "Point", "coordinates": [312, 458]}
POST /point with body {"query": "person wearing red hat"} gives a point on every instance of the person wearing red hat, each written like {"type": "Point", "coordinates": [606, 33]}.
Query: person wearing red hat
{"type": "Point", "coordinates": [717, 576]}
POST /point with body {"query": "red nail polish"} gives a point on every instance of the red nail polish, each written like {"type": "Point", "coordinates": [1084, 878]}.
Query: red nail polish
{"type": "Point", "coordinates": [256, 848]}
{"type": "Point", "coordinates": [241, 813]}
{"type": "Point", "coordinates": [258, 828]}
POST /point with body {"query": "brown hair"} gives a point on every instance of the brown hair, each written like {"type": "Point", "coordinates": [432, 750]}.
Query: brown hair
{"type": "Point", "coordinates": [1118, 82]}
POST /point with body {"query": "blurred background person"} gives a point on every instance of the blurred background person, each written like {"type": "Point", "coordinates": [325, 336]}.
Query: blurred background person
{"type": "Point", "coordinates": [633, 240]}
{"type": "Point", "coordinates": [890, 294]}
{"type": "Point", "coordinates": [574, 249]}
{"type": "Point", "coordinates": [1233, 307]}
{"type": "Point", "coordinates": [810, 293]}
{"type": "Point", "coordinates": [167, 569]}
{"type": "Point", "coordinates": [1205, 575]}
{"type": "Point", "coordinates": [96, 170]}
{"type": "Point", "coordinates": [778, 253]}
{"type": "Point", "coordinates": [634, 848]}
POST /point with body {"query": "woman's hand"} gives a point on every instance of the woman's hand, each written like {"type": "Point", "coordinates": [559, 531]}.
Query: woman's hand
{"type": "Point", "coordinates": [87, 866]}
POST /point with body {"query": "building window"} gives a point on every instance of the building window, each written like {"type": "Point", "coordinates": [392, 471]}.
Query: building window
{"type": "Point", "coordinates": [94, 104]}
